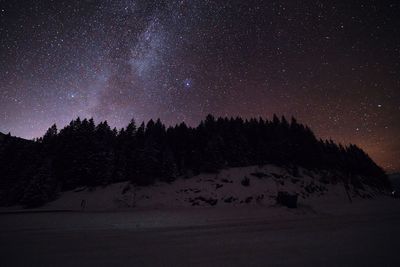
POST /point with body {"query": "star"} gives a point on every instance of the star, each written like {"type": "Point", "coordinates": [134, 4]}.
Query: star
{"type": "Point", "coordinates": [187, 83]}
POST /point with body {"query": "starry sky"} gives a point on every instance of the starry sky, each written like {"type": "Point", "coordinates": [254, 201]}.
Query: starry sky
{"type": "Point", "coordinates": [334, 65]}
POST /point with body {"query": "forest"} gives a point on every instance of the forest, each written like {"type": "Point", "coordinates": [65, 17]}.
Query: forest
{"type": "Point", "coordinates": [83, 153]}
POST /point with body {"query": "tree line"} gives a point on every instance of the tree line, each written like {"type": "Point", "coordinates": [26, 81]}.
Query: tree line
{"type": "Point", "coordinates": [84, 153]}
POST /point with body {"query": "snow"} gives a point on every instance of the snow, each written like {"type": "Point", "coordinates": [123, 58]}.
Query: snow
{"type": "Point", "coordinates": [124, 225]}
{"type": "Point", "coordinates": [363, 233]}
{"type": "Point", "coordinates": [224, 187]}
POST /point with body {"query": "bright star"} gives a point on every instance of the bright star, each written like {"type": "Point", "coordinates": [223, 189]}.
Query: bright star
{"type": "Point", "coordinates": [187, 83]}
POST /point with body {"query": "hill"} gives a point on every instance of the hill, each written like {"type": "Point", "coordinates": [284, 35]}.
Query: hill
{"type": "Point", "coordinates": [232, 187]}
{"type": "Point", "coordinates": [85, 154]}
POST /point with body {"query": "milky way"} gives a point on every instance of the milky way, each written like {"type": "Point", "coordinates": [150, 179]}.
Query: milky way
{"type": "Point", "coordinates": [334, 65]}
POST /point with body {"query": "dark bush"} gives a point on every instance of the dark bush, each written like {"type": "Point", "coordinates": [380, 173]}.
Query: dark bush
{"type": "Point", "coordinates": [248, 199]}
{"type": "Point", "coordinates": [286, 199]}
{"type": "Point", "coordinates": [230, 199]}
{"type": "Point", "coordinates": [259, 174]}
{"type": "Point", "coordinates": [245, 181]}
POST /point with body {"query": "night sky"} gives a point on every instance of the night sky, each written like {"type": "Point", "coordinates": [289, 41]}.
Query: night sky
{"type": "Point", "coordinates": [334, 65]}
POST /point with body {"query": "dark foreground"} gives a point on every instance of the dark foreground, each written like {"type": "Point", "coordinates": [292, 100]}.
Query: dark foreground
{"type": "Point", "coordinates": [125, 239]}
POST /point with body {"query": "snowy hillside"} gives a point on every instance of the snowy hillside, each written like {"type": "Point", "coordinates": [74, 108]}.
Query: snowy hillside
{"type": "Point", "coordinates": [252, 185]}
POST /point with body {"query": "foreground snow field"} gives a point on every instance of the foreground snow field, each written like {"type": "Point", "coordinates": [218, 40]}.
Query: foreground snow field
{"type": "Point", "coordinates": [364, 233]}
{"type": "Point", "coordinates": [169, 225]}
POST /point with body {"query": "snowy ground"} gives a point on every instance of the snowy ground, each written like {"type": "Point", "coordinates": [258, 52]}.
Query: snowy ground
{"type": "Point", "coordinates": [160, 225]}
{"type": "Point", "coordinates": [224, 189]}
{"type": "Point", "coordinates": [365, 233]}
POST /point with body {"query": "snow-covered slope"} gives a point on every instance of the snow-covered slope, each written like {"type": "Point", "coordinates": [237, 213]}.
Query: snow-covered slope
{"type": "Point", "coordinates": [227, 188]}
